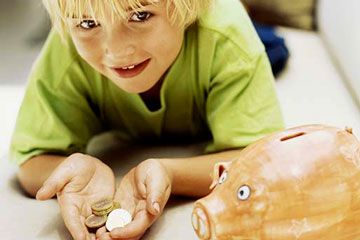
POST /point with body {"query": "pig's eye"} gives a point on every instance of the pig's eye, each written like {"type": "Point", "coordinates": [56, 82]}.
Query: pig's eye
{"type": "Point", "coordinates": [223, 177]}
{"type": "Point", "coordinates": [244, 192]}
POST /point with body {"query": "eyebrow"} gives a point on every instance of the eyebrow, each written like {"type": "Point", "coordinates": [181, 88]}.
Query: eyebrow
{"type": "Point", "coordinates": [76, 17]}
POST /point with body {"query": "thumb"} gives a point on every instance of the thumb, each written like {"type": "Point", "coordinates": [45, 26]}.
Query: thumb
{"type": "Point", "coordinates": [158, 193]}
{"type": "Point", "coordinates": [56, 182]}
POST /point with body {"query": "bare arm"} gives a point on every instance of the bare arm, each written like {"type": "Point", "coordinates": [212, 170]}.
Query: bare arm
{"type": "Point", "coordinates": [192, 176]}
{"type": "Point", "coordinates": [36, 170]}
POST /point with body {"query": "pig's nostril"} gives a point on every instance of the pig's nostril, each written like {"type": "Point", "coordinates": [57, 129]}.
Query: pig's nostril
{"type": "Point", "coordinates": [202, 229]}
{"type": "Point", "coordinates": [201, 224]}
{"type": "Point", "coordinates": [195, 221]}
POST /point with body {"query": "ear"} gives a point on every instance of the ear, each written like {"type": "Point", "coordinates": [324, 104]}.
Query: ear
{"type": "Point", "coordinates": [219, 168]}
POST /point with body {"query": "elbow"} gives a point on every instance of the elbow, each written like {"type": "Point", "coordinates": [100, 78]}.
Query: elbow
{"type": "Point", "coordinates": [27, 182]}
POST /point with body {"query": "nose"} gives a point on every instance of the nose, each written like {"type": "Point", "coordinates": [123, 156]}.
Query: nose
{"type": "Point", "coordinates": [119, 43]}
{"type": "Point", "coordinates": [118, 53]}
{"type": "Point", "coordinates": [201, 223]}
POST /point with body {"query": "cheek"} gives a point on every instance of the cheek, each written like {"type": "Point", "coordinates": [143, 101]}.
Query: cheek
{"type": "Point", "coordinates": [89, 49]}
{"type": "Point", "coordinates": [172, 41]}
{"type": "Point", "coordinates": [165, 42]}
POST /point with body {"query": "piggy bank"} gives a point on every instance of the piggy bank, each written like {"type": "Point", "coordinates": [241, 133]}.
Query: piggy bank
{"type": "Point", "coordinates": [302, 183]}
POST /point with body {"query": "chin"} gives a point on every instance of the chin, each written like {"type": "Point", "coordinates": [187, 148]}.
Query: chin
{"type": "Point", "coordinates": [130, 88]}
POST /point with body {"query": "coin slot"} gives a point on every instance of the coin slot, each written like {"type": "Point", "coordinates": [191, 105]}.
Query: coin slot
{"type": "Point", "coordinates": [292, 136]}
{"type": "Point", "coordinates": [349, 130]}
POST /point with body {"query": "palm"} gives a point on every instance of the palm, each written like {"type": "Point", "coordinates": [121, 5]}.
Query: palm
{"type": "Point", "coordinates": [81, 193]}
{"type": "Point", "coordinates": [94, 181]}
{"type": "Point", "coordinates": [144, 192]}
{"type": "Point", "coordinates": [129, 196]}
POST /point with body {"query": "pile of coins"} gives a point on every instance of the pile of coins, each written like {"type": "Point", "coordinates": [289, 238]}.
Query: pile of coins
{"type": "Point", "coordinates": [100, 211]}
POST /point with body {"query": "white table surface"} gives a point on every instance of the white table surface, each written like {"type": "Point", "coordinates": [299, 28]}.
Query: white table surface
{"type": "Point", "coordinates": [10, 99]}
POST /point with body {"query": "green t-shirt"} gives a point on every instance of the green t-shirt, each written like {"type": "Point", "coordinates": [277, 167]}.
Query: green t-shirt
{"type": "Point", "coordinates": [220, 85]}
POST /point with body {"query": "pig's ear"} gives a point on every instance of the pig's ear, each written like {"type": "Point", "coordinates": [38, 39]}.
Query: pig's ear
{"type": "Point", "coordinates": [219, 168]}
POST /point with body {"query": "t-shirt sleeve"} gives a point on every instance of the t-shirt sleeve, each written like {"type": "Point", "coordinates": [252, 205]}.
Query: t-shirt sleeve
{"type": "Point", "coordinates": [242, 105]}
{"type": "Point", "coordinates": [56, 115]}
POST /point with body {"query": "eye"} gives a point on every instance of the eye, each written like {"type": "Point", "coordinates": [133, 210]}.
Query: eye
{"type": "Point", "coordinates": [140, 16]}
{"type": "Point", "coordinates": [244, 192]}
{"type": "Point", "coordinates": [223, 177]}
{"type": "Point", "coordinates": [88, 24]}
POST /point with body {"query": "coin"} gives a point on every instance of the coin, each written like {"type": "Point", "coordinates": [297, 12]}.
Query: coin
{"type": "Point", "coordinates": [118, 218]}
{"type": "Point", "coordinates": [94, 221]}
{"type": "Point", "coordinates": [104, 212]}
{"type": "Point", "coordinates": [102, 205]}
{"type": "Point", "coordinates": [116, 205]}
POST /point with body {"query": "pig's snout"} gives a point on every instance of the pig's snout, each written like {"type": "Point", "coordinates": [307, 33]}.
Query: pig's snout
{"type": "Point", "coordinates": [201, 223]}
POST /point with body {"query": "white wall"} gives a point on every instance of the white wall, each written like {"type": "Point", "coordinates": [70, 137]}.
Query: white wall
{"type": "Point", "coordinates": [339, 23]}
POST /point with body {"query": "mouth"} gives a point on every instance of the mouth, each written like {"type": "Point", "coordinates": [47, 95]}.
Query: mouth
{"type": "Point", "coordinates": [131, 70]}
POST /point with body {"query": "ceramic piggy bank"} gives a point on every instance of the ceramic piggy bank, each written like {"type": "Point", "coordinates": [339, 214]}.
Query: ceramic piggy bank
{"type": "Point", "coordinates": [302, 183]}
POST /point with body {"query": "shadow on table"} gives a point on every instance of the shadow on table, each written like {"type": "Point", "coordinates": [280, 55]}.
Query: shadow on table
{"type": "Point", "coordinates": [121, 157]}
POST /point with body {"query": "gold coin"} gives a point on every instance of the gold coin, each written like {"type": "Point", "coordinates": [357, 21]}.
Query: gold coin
{"type": "Point", "coordinates": [104, 212]}
{"type": "Point", "coordinates": [116, 205]}
{"type": "Point", "coordinates": [94, 221]}
{"type": "Point", "coordinates": [102, 205]}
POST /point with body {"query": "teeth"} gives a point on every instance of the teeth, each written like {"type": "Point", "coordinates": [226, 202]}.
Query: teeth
{"type": "Point", "coordinates": [129, 67]}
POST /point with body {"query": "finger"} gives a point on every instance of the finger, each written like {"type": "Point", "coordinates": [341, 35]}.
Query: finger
{"type": "Point", "coordinates": [137, 227]}
{"type": "Point", "coordinates": [105, 236]}
{"type": "Point", "coordinates": [158, 193]}
{"type": "Point", "coordinates": [100, 231]}
{"type": "Point", "coordinates": [55, 183]}
{"type": "Point", "coordinates": [140, 183]}
{"type": "Point", "coordinates": [92, 236]}
{"type": "Point", "coordinates": [74, 222]}
{"type": "Point", "coordinates": [155, 189]}
{"type": "Point", "coordinates": [135, 238]}
{"type": "Point", "coordinates": [125, 196]}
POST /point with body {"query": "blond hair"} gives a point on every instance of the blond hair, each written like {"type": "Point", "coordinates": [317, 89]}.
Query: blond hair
{"type": "Point", "coordinates": [180, 12]}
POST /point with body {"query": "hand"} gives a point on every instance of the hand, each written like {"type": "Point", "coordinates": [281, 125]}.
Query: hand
{"type": "Point", "coordinates": [144, 192]}
{"type": "Point", "coordinates": [79, 181]}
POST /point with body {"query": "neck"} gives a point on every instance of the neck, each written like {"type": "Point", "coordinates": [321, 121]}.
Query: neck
{"type": "Point", "coordinates": [152, 96]}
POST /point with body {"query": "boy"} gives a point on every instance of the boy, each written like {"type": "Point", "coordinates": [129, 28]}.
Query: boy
{"type": "Point", "coordinates": [148, 70]}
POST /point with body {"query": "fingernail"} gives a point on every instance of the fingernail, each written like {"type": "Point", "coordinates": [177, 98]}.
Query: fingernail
{"type": "Point", "coordinates": [40, 191]}
{"type": "Point", "coordinates": [156, 207]}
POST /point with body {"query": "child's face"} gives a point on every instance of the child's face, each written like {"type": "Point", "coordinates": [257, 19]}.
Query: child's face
{"type": "Point", "coordinates": [135, 53]}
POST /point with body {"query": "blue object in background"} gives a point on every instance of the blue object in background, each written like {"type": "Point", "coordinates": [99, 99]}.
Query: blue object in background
{"type": "Point", "coordinates": [275, 46]}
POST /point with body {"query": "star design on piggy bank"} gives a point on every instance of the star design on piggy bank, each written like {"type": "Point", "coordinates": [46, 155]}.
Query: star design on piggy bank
{"type": "Point", "coordinates": [299, 227]}
{"type": "Point", "coordinates": [352, 154]}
